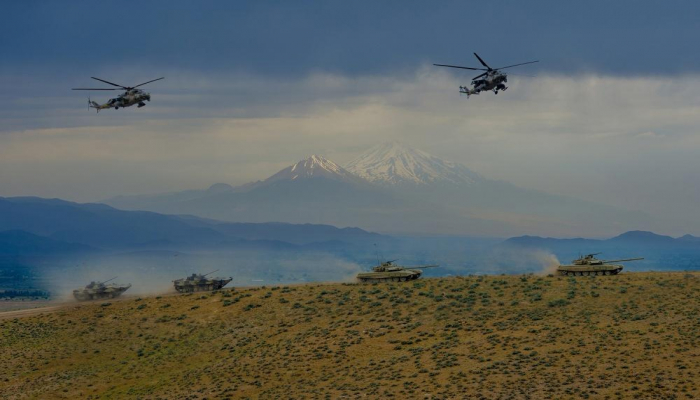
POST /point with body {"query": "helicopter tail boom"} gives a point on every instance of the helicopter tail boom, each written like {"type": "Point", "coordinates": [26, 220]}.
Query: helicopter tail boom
{"type": "Point", "coordinates": [93, 104]}
{"type": "Point", "coordinates": [466, 90]}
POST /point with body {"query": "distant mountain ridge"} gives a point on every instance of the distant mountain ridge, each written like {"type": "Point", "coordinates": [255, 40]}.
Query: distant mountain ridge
{"type": "Point", "coordinates": [21, 243]}
{"type": "Point", "coordinates": [632, 237]}
{"type": "Point", "coordinates": [102, 226]}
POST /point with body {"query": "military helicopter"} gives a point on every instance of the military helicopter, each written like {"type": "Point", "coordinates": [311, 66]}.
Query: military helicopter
{"type": "Point", "coordinates": [493, 79]}
{"type": "Point", "coordinates": [130, 97]}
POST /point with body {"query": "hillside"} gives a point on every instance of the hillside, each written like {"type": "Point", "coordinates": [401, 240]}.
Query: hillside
{"type": "Point", "coordinates": [632, 335]}
{"type": "Point", "coordinates": [20, 243]}
{"type": "Point", "coordinates": [99, 225]}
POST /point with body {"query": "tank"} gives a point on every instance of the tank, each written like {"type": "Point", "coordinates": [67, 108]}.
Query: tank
{"type": "Point", "coordinates": [200, 283]}
{"type": "Point", "coordinates": [589, 265]}
{"type": "Point", "coordinates": [98, 290]}
{"type": "Point", "coordinates": [389, 272]}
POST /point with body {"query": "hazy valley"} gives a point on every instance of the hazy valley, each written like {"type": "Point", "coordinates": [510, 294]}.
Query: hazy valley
{"type": "Point", "coordinates": [56, 246]}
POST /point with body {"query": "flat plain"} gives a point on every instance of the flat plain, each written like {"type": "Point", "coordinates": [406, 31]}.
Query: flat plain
{"type": "Point", "coordinates": [634, 335]}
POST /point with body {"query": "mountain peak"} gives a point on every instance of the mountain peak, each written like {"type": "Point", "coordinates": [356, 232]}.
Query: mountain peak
{"type": "Point", "coordinates": [219, 188]}
{"type": "Point", "coordinates": [314, 167]}
{"type": "Point", "coordinates": [642, 236]}
{"type": "Point", "coordinates": [396, 163]}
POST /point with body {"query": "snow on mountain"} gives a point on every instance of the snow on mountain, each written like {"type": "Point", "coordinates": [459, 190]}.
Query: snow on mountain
{"type": "Point", "coordinates": [314, 167]}
{"type": "Point", "coordinates": [395, 163]}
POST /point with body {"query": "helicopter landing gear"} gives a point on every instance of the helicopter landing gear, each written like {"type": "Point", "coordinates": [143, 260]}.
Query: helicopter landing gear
{"type": "Point", "coordinates": [499, 87]}
{"type": "Point", "coordinates": [141, 104]}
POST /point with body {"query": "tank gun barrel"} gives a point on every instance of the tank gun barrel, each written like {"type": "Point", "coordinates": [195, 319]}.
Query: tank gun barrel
{"type": "Point", "coordinates": [425, 266]}
{"type": "Point", "coordinates": [624, 259]}
{"type": "Point", "coordinates": [208, 273]}
{"type": "Point", "coordinates": [111, 279]}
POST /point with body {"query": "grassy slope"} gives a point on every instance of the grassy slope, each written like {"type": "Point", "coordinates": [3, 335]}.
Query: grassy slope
{"type": "Point", "coordinates": [632, 335]}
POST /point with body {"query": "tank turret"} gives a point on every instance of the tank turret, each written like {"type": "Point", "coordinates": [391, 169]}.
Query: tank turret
{"type": "Point", "coordinates": [590, 265]}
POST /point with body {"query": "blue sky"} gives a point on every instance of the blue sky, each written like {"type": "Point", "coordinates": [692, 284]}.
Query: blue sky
{"type": "Point", "coordinates": [610, 115]}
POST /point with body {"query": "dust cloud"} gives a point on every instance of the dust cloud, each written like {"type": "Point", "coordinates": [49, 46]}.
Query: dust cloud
{"type": "Point", "coordinates": [518, 260]}
{"type": "Point", "coordinates": [549, 262]}
{"type": "Point", "coordinates": [152, 272]}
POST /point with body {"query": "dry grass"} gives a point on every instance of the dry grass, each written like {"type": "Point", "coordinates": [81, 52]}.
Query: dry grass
{"type": "Point", "coordinates": [627, 336]}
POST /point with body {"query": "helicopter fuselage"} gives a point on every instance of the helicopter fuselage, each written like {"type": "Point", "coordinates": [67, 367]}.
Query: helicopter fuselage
{"type": "Point", "coordinates": [126, 99]}
{"type": "Point", "coordinates": [494, 80]}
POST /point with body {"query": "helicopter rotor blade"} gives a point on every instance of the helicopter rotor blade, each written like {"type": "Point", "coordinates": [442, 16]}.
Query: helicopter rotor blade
{"type": "Point", "coordinates": [93, 89]}
{"type": "Point", "coordinates": [141, 84]}
{"type": "Point", "coordinates": [457, 66]}
{"type": "Point", "coordinates": [527, 76]}
{"type": "Point", "coordinates": [483, 62]}
{"type": "Point", "coordinates": [515, 65]}
{"type": "Point", "coordinates": [479, 76]}
{"type": "Point", "coordinates": [109, 83]}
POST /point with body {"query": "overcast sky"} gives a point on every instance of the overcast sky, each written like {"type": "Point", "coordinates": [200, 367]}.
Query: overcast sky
{"type": "Point", "coordinates": [610, 114]}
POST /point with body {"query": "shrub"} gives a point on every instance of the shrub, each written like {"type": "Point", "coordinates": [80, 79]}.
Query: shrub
{"type": "Point", "coordinates": [558, 303]}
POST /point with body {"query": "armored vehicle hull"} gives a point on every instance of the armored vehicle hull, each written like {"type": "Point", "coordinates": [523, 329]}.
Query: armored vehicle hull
{"type": "Point", "coordinates": [387, 271]}
{"type": "Point", "coordinates": [589, 270]}
{"type": "Point", "coordinates": [390, 276]}
{"type": "Point", "coordinates": [589, 265]}
{"type": "Point", "coordinates": [98, 293]}
{"type": "Point", "coordinates": [203, 285]}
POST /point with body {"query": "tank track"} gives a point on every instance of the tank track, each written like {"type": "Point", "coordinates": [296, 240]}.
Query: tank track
{"type": "Point", "coordinates": [590, 273]}
{"type": "Point", "coordinates": [393, 279]}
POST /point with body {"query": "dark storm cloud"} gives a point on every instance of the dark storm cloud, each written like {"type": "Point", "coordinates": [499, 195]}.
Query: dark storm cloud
{"type": "Point", "coordinates": [349, 37]}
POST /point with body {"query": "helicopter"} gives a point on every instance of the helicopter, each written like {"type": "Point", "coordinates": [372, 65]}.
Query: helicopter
{"type": "Point", "coordinates": [130, 96]}
{"type": "Point", "coordinates": [493, 79]}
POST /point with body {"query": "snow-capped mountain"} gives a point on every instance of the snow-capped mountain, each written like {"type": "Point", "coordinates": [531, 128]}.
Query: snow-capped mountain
{"type": "Point", "coordinates": [392, 188]}
{"type": "Point", "coordinates": [314, 167]}
{"type": "Point", "coordinates": [397, 164]}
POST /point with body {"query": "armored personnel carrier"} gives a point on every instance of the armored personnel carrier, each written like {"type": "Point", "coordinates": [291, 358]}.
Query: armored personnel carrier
{"type": "Point", "coordinates": [389, 272]}
{"type": "Point", "coordinates": [98, 290]}
{"type": "Point", "coordinates": [589, 265]}
{"type": "Point", "coordinates": [200, 283]}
